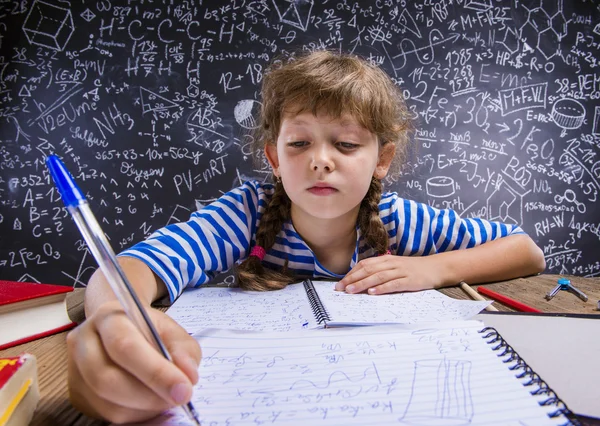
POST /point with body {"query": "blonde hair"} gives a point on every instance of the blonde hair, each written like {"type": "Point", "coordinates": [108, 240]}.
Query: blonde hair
{"type": "Point", "coordinates": [334, 84]}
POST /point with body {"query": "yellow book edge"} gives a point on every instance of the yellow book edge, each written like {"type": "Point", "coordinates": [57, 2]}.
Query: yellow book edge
{"type": "Point", "coordinates": [15, 402]}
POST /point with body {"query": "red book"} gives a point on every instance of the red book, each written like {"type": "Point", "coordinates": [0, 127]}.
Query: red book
{"type": "Point", "coordinates": [29, 311]}
{"type": "Point", "coordinates": [19, 392]}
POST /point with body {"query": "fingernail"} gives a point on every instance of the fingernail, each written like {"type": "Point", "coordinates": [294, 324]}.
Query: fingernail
{"type": "Point", "coordinates": [372, 290]}
{"type": "Point", "coordinates": [179, 392]}
{"type": "Point", "coordinates": [350, 289]}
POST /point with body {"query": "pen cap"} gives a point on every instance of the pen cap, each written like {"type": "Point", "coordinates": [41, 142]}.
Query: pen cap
{"type": "Point", "coordinates": [68, 189]}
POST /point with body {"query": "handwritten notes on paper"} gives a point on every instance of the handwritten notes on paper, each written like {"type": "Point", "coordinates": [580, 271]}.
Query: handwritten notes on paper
{"type": "Point", "coordinates": [440, 375]}
{"type": "Point", "coordinates": [289, 309]}
{"type": "Point", "coordinates": [399, 308]}
{"type": "Point", "coordinates": [231, 308]}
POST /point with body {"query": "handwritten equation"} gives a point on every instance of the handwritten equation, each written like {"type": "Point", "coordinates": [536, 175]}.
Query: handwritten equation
{"type": "Point", "coordinates": [151, 105]}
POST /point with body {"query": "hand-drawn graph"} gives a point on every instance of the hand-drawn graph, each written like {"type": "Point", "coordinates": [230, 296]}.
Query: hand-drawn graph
{"type": "Point", "coordinates": [425, 54]}
{"type": "Point", "coordinates": [446, 402]}
{"type": "Point", "coordinates": [48, 25]}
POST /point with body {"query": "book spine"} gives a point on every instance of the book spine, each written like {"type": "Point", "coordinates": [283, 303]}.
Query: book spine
{"type": "Point", "coordinates": [546, 396]}
{"type": "Point", "coordinates": [318, 309]}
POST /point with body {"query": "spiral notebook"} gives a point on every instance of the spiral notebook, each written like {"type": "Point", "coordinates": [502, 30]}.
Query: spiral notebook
{"type": "Point", "coordinates": [452, 373]}
{"type": "Point", "coordinates": [311, 305]}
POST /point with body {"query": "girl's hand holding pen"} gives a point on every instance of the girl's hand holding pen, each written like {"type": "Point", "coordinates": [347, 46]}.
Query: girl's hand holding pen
{"type": "Point", "coordinates": [116, 374]}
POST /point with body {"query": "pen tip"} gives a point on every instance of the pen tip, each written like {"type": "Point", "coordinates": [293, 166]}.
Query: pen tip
{"type": "Point", "coordinates": [191, 411]}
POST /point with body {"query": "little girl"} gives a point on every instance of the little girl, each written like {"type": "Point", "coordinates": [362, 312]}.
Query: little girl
{"type": "Point", "coordinates": [330, 127]}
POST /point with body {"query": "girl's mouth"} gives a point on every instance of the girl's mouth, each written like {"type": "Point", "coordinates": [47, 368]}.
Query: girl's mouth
{"type": "Point", "coordinates": [322, 190]}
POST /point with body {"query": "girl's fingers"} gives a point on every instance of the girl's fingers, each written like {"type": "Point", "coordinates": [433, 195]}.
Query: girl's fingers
{"type": "Point", "coordinates": [374, 279]}
{"type": "Point", "coordinates": [128, 349]}
{"type": "Point", "coordinates": [107, 381]}
{"type": "Point", "coordinates": [363, 270]}
{"type": "Point", "coordinates": [393, 286]}
{"type": "Point", "coordinates": [183, 348]}
{"type": "Point", "coordinates": [82, 397]}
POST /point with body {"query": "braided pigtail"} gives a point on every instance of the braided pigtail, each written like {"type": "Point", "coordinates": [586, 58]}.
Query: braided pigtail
{"type": "Point", "coordinates": [370, 223]}
{"type": "Point", "coordinates": [251, 274]}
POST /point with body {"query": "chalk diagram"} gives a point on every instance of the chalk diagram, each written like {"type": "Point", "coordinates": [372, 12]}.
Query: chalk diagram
{"type": "Point", "coordinates": [596, 127]}
{"type": "Point", "coordinates": [294, 12]}
{"type": "Point", "coordinates": [28, 278]}
{"type": "Point", "coordinates": [545, 26]}
{"type": "Point", "coordinates": [81, 271]}
{"type": "Point", "coordinates": [505, 204]}
{"type": "Point", "coordinates": [440, 186]}
{"type": "Point", "coordinates": [440, 394]}
{"type": "Point", "coordinates": [245, 112]}
{"type": "Point", "coordinates": [568, 114]}
{"type": "Point", "coordinates": [154, 135]}
{"type": "Point", "coordinates": [478, 5]}
{"type": "Point", "coordinates": [408, 23]}
{"type": "Point", "coordinates": [152, 102]}
{"type": "Point", "coordinates": [48, 25]}
{"type": "Point", "coordinates": [177, 212]}
{"type": "Point", "coordinates": [570, 197]}
{"type": "Point", "coordinates": [88, 15]}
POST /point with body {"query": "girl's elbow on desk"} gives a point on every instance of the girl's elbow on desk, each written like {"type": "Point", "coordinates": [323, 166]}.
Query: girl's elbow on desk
{"type": "Point", "coordinates": [523, 255]}
{"type": "Point", "coordinates": [538, 261]}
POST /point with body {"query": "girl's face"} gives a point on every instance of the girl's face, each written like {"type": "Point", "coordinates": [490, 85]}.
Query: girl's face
{"type": "Point", "coordinates": [326, 164]}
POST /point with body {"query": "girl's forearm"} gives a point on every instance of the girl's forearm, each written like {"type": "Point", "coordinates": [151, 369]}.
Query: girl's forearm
{"type": "Point", "coordinates": [146, 284]}
{"type": "Point", "coordinates": [502, 259]}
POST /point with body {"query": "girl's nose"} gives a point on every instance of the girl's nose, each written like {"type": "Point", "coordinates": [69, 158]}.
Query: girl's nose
{"type": "Point", "coordinates": [322, 160]}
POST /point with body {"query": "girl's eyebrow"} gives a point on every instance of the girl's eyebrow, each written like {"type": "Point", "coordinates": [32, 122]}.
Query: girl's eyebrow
{"type": "Point", "coordinates": [298, 122]}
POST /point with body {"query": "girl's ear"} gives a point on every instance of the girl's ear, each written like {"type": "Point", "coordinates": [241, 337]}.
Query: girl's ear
{"type": "Point", "coordinates": [386, 156]}
{"type": "Point", "coordinates": [271, 154]}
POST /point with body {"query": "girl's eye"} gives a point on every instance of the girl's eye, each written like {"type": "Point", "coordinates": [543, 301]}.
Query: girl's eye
{"type": "Point", "coordinates": [298, 144]}
{"type": "Point", "coordinates": [348, 145]}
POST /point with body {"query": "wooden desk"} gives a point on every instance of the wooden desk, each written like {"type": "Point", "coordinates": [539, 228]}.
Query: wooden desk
{"type": "Point", "coordinates": [51, 352]}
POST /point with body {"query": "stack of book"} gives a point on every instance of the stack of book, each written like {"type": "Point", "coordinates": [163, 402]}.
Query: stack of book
{"type": "Point", "coordinates": [29, 311]}
{"type": "Point", "coordinates": [19, 392]}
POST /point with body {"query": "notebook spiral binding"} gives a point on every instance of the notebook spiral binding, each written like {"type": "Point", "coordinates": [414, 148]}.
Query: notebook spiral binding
{"type": "Point", "coordinates": [318, 309]}
{"type": "Point", "coordinates": [525, 372]}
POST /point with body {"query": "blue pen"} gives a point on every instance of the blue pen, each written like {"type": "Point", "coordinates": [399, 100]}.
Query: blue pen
{"type": "Point", "coordinates": [79, 209]}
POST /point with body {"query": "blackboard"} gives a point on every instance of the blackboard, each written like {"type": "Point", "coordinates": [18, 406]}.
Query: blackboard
{"type": "Point", "coordinates": [150, 104]}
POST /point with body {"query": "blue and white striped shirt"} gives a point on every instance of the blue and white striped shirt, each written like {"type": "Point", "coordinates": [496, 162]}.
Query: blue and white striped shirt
{"type": "Point", "coordinates": [217, 236]}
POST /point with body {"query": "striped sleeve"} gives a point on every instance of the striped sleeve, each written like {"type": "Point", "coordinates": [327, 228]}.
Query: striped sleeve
{"type": "Point", "coordinates": [211, 241]}
{"type": "Point", "coordinates": [424, 230]}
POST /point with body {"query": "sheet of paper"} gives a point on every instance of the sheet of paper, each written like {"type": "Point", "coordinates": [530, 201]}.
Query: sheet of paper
{"type": "Point", "coordinates": [445, 374]}
{"type": "Point", "coordinates": [542, 340]}
{"type": "Point", "coordinates": [403, 308]}
{"type": "Point", "coordinates": [288, 309]}
{"type": "Point", "coordinates": [231, 308]}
